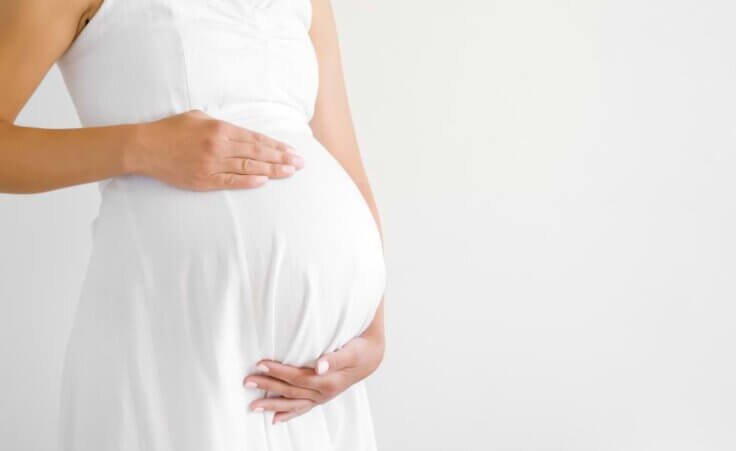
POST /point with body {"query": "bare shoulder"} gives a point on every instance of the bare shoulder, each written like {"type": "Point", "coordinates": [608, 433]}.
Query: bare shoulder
{"type": "Point", "coordinates": [18, 9]}
{"type": "Point", "coordinates": [33, 35]}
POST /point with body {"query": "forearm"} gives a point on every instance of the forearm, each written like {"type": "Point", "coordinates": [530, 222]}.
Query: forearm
{"type": "Point", "coordinates": [41, 159]}
{"type": "Point", "coordinates": [332, 122]}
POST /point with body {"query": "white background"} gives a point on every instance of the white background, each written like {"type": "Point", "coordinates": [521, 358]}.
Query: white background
{"type": "Point", "coordinates": [556, 184]}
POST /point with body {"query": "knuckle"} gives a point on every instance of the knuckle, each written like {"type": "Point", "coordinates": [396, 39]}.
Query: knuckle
{"type": "Point", "coordinates": [210, 145]}
{"type": "Point", "coordinates": [228, 179]}
{"type": "Point", "coordinates": [194, 113]}
{"type": "Point", "coordinates": [287, 159]}
{"type": "Point", "coordinates": [274, 169]}
{"type": "Point", "coordinates": [217, 127]}
{"type": "Point", "coordinates": [259, 151]}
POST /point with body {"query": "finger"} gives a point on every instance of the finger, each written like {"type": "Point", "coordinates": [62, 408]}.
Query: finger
{"type": "Point", "coordinates": [237, 133]}
{"type": "Point", "coordinates": [326, 385]}
{"type": "Point", "coordinates": [232, 180]}
{"type": "Point", "coordinates": [280, 387]}
{"type": "Point", "coordinates": [271, 142]}
{"type": "Point", "coordinates": [255, 167]}
{"type": "Point", "coordinates": [293, 375]}
{"type": "Point", "coordinates": [344, 357]}
{"type": "Point", "coordinates": [261, 152]}
{"type": "Point", "coordinates": [255, 150]}
{"type": "Point", "coordinates": [277, 404]}
{"type": "Point", "coordinates": [280, 417]}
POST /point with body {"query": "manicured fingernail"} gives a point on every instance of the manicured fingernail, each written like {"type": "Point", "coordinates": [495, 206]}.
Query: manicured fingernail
{"type": "Point", "coordinates": [263, 368]}
{"type": "Point", "coordinates": [251, 384]}
{"type": "Point", "coordinates": [258, 409]}
{"type": "Point", "coordinates": [296, 161]}
{"type": "Point", "coordinates": [288, 169]}
{"type": "Point", "coordinates": [322, 366]}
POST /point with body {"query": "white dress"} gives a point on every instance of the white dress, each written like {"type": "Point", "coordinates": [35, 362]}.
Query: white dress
{"type": "Point", "coordinates": [186, 290]}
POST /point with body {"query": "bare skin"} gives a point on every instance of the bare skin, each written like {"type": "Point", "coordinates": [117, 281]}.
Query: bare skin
{"type": "Point", "coordinates": [189, 150]}
{"type": "Point", "coordinates": [211, 156]}
{"type": "Point", "coordinates": [300, 389]}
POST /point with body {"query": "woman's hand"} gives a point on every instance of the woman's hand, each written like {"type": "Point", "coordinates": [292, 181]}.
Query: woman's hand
{"type": "Point", "coordinates": [195, 151]}
{"type": "Point", "coordinates": [301, 388]}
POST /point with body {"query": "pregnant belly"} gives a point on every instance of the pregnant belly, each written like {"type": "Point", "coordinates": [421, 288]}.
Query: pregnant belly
{"type": "Point", "coordinates": [288, 270]}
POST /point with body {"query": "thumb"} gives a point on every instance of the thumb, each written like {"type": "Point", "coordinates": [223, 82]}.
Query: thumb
{"type": "Point", "coordinates": [336, 360]}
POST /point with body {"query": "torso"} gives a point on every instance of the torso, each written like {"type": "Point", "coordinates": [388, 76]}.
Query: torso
{"type": "Point", "coordinates": [185, 291]}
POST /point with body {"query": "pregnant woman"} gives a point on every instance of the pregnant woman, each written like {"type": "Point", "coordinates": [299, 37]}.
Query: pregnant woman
{"type": "Point", "coordinates": [233, 300]}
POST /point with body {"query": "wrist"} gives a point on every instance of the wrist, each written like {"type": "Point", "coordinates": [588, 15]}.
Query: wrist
{"type": "Point", "coordinates": [374, 332]}
{"type": "Point", "coordinates": [379, 350]}
{"type": "Point", "coordinates": [133, 148]}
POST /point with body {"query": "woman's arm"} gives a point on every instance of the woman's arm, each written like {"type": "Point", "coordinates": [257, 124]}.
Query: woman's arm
{"type": "Point", "coordinates": [33, 35]}
{"type": "Point", "coordinates": [332, 123]}
{"type": "Point", "coordinates": [190, 150]}
{"type": "Point", "coordinates": [301, 388]}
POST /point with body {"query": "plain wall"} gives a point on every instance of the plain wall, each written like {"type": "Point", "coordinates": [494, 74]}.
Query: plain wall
{"type": "Point", "coordinates": [556, 184]}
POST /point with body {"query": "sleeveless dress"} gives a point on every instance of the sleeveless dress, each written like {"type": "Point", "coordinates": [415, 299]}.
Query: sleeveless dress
{"type": "Point", "coordinates": [185, 291]}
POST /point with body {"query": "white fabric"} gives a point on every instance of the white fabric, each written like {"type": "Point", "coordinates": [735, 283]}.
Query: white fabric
{"type": "Point", "coordinates": [185, 291]}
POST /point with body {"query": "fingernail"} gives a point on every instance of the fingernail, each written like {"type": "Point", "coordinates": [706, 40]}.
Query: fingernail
{"type": "Point", "coordinates": [297, 161]}
{"type": "Point", "coordinates": [290, 149]}
{"type": "Point", "coordinates": [322, 366]}
{"type": "Point", "coordinates": [258, 409]}
{"type": "Point", "coordinates": [262, 367]}
{"type": "Point", "coordinates": [251, 384]}
{"type": "Point", "coordinates": [288, 169]}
